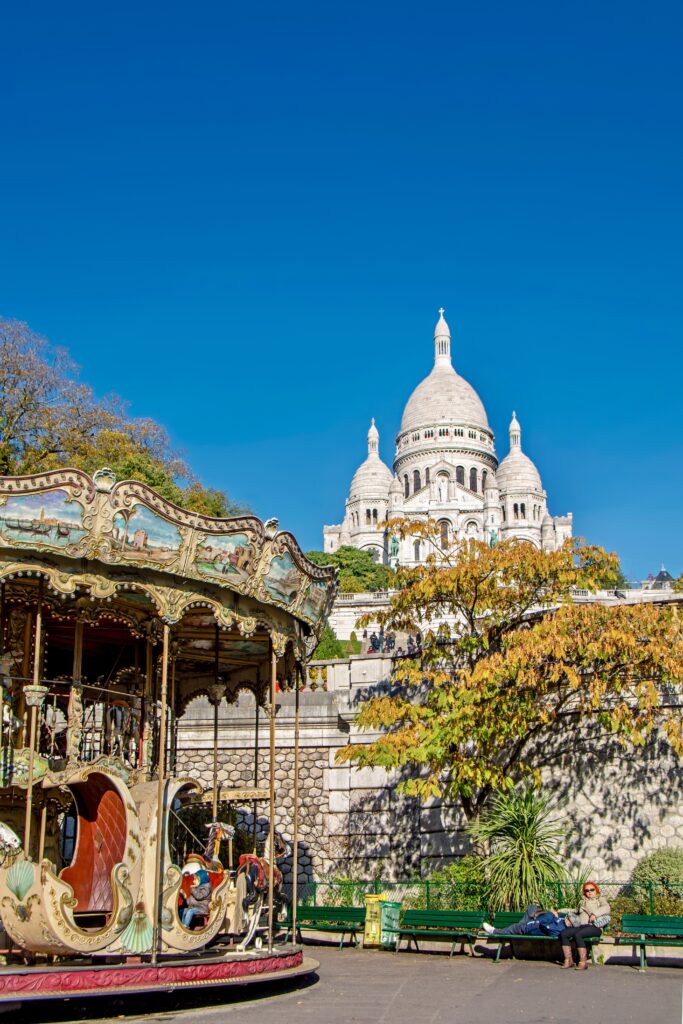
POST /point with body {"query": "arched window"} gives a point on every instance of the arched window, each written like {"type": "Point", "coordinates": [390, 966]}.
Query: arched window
{"type": "Point", "coordinates": [483, 479]}
{"type": "Point", "coordinates": [473, 479]}
{"type": "Point", "coordinates": [368, 517]}
{"type": "Point", "coordinates": [416, 550]}
{"type": "Point", "coordinates": [460, 475]}
{"type": "Point", "coordinates": [374, 516]}
{"type": "Point", "coordinates": [426, 477]}
{"type": "Point", "coordinates": [522, 509]}
{"type": "Point", "coordinates": [502, 509]}
{"type": "Point", "coordinates": [416, 480]}
{"type": "Point", "coordinates": [444, 534]}
{"type": "Point", "coordinates": [515, 510]}
{"type": "Point", "coordinates": [406, 486]}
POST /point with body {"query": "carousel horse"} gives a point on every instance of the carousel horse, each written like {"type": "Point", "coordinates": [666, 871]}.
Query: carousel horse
{"type": "Point", "coordinates": [257, 872]}
{"type": "Point", "coordinates": [209, 861]}
{"type": "Point", "coordinates": [117, 720]}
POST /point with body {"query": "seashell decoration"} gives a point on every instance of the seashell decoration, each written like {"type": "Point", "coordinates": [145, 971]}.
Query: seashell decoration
{"type": "Point", "coordinates": [20, 878]}
{"type": "Point", "coordinates": [137, 936]}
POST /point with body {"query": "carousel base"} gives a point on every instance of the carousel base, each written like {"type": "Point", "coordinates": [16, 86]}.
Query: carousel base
{"type": "Point", "coordinates": [83, 980]}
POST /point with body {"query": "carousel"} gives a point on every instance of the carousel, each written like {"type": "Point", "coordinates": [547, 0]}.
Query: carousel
{"type": "Point", "coordinates": [116, 609]}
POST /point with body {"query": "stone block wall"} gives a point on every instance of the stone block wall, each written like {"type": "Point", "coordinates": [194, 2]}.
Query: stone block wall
{"type": "Point", "coordinates": [616, 804]}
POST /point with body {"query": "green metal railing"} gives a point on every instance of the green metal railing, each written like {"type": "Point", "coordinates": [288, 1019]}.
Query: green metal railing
{"type": "Point", "coordinates": [624, 897]}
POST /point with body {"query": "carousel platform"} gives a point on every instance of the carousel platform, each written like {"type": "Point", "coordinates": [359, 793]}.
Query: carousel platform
{"type": "Point", "coordinates": [19, 984]}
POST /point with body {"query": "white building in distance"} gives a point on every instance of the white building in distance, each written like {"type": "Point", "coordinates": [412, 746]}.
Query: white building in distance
{"type": "Point", "coordinates": [446, 469]}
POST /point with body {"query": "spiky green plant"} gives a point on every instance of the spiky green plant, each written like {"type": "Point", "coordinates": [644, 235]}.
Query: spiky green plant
{"type": "Point", "coordinates": [523, 836]}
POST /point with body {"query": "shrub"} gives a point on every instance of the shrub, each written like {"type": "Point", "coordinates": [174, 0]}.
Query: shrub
{"type": "Point", "coordinates": [459, 886]}
{"type": "Point", "coordinates": [523, 837]}
{"type": "Point", "coordinates": [329, 647]}
{"type": "Point", "coordinates": [636, 900]}
{"type": "Point", "coordinates": [663, 869]}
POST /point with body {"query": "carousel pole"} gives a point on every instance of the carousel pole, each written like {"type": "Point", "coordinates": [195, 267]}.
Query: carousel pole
{"type": "Point", "coordinates": [271, 831]}
{"type": "Point", "coordinates": [43, 829]}
{"type": "Point", "coordinates": [3, 695]}
{"type": "Point", "coordinates": [171, 756]}
{"type": "Point", "coordinates": [299, 679]}
{"type": "Point", "coordinates": [77, 666]}
{"type": "Point", "coordinates": [256, 725]}
{"type": "Point", "coordinates": [160, 795]}
{"type": "Point", "coordinates": [216, 699]}
{"type": "Point", "coordinates": [33, 696]}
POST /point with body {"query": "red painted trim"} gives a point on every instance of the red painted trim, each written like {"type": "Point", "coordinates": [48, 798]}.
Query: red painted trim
{"type": "Point", "coordinates": [138, 977]}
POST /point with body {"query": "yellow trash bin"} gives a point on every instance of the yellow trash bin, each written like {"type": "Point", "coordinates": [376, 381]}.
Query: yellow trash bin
{"type": "Point", "coordinates": [372, 936]}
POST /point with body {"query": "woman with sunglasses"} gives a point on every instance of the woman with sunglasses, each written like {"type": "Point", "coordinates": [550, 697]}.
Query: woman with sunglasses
{"type": "Point", "coordinates": [587, 922]}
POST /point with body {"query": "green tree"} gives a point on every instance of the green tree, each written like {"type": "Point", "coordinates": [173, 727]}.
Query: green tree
{"type": "Point", "coordinates": [504, 686]}
{"type": "Point", "coordinates": [358, 571]}
{"type": "Point", "coordinates": [329, 646]}
{"type": "Point", "coordinates": [49, 419]}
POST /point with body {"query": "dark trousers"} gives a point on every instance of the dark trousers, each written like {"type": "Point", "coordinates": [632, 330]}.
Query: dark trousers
{"type": "Point", "coordinates": [520, 927]}
{"type": "Point", "coordinates": [579, 933]}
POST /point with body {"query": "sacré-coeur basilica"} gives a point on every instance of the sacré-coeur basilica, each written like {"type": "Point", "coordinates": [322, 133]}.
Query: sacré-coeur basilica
{"type": "Point", "coordinates": [446, 469]}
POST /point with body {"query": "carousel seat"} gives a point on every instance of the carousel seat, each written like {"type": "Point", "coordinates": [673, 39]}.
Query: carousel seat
{"type": "Point", "coordinates": [100, 845]}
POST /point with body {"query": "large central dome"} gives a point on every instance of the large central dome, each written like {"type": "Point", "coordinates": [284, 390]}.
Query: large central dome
{"type": "Point", "coordinates": [443, 396]}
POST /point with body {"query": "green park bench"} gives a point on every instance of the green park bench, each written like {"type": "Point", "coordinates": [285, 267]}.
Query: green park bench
{"type": "Point", "coordinates": [344, 920]}
{"type": "Point", "coordinates": [650, 930]}
{"type": "Point", "coordinates": [504, 918]}
{"type": "Point", "coordinates": [452, 926]}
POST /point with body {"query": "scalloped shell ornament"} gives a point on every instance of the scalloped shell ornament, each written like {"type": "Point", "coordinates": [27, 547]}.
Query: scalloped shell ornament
{"type": "Point", "coordinates": [137, 936]}
{"type": "Point", "coordinates": [20, 878]}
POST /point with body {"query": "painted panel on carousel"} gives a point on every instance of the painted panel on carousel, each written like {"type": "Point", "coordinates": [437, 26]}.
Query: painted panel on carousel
{"type": "Point", "coordinates": [313, 604]}
{"type": "Point", "coordinates": [227, 557]}
{"type": "Point", "coordinates": [143, 535]}
{"type": "Point", "coordinates": [51, 518]}
{"type": "Point", "coordinates": [284, 579]}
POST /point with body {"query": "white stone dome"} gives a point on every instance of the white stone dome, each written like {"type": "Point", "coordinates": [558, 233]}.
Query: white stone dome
{"type": "Point", "coordinates": [444, 395]}
{"type": "Point", "coordinates": [373, 478]}
{"type": "Point", "coordinates": [517, 471]}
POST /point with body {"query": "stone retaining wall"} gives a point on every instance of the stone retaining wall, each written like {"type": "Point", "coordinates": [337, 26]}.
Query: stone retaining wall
{"type": "Point", "coordinates": [617, 804]}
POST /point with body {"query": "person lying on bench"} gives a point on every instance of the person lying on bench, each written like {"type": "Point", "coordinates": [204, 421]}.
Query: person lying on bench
{"type": "Point", "coordinates": [534, 921]}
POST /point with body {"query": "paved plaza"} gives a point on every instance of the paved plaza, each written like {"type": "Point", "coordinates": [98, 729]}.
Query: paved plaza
{"type": "Point", "coordinates": [371, 987]}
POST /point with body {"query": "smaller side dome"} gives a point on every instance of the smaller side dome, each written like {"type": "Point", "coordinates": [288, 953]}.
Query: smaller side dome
{"type": "Point", "coordinates": [517, 471]}
{"type": "Point", "coordinates": [372, 478]}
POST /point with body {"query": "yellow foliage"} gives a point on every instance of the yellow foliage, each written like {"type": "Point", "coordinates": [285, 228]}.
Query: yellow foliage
{"type": "Point", "coordinates": [520, 670]}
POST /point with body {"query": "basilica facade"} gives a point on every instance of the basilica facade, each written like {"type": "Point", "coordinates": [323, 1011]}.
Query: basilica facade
{"type": "Point", "coordinates": [446, 468]}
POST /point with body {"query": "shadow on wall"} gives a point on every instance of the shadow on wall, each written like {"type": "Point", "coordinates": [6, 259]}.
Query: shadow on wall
{"type": "Point", "coordinates": [380, 835]}
{"type": "Point", "coordinates": [619, 802]}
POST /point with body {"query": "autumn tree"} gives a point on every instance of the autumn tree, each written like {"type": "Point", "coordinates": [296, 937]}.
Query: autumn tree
{"type": "Point", "coordinates": [510, 669]}
{"type": "Point", "coordinates": [49, 419]}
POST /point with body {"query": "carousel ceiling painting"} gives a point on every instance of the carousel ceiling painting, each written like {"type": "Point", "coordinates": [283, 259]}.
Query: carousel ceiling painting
{"type": "Point", "coordinates": [127, 524]}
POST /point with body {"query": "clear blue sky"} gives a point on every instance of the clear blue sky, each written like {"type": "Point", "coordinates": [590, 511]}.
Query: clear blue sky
{"type": "Point", "coordinates": [243, 218]}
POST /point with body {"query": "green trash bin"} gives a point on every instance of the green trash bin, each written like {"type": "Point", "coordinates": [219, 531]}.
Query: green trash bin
{"type": "Point", "coordinates": [390, 917]}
